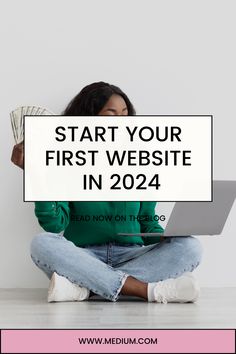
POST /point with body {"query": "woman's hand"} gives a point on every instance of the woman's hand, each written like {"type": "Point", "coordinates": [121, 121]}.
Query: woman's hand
{"type": "Point", "coordinates": [17, 156]}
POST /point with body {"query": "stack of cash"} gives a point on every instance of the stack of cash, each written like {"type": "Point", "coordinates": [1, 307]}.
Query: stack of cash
{"type": "Point", "coordinates": [17, 119]}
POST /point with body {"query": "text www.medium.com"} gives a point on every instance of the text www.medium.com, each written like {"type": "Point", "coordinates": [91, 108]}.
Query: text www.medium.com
{"type": "Point", "coordinates": [118, 340]}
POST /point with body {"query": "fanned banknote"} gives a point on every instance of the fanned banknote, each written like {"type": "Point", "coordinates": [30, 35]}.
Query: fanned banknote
{"type": "Point", "coordinates": [17, 119]}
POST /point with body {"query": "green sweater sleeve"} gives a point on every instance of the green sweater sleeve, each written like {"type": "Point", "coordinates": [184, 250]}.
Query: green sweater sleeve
{"type": "Point", "coordinates": [53, 216]}
{"type": "Point", "coordinates": [148, 223]}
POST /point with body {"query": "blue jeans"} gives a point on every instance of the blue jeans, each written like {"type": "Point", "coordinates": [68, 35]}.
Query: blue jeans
{"type": "Point", "coordinates": [104, 268]}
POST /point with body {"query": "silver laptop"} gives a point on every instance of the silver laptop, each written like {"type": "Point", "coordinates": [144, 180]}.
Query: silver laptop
{"type": "Point", "coordinates": [199, 218]}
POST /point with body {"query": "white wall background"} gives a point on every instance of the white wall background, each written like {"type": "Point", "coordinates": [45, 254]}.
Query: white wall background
{"type": "Point", "coordinates": [170, 57]}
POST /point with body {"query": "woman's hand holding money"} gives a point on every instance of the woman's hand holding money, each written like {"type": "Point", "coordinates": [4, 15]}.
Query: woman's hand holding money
{"type": "Point", "coordinates": [17, 156]}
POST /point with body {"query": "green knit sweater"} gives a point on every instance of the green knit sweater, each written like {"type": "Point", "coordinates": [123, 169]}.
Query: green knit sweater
{"type": "Point", "coordinates": [87, 223]}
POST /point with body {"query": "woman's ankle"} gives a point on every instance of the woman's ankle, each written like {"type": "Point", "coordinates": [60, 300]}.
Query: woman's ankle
{"type": "Point", "coordinates": [135, 287]}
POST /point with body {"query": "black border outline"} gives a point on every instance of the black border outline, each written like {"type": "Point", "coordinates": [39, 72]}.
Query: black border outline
{"type": "Point", "coordinates": [140, 115]}
{"type": "Point", "coordinates": [118, 329]}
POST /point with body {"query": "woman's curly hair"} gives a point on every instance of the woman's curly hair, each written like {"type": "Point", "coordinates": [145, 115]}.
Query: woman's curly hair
{"type": "Point", "coordinates": [92, 98]}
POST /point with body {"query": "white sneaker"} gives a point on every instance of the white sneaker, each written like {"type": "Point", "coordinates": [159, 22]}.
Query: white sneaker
{"type": "Point", "coordinates": [182, 289]}
{"type": "Point", "coordinates": [61, 289]}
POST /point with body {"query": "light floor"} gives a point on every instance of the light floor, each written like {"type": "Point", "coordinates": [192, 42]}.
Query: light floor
{"type": "Point", "coordinates": [28, 308]}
